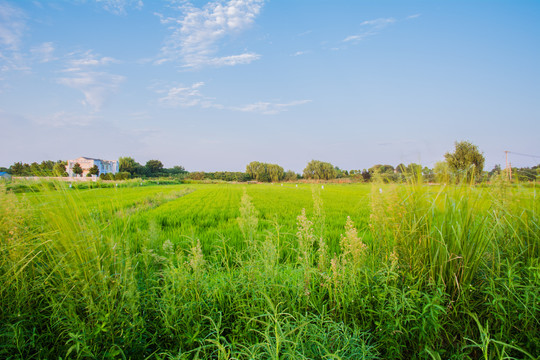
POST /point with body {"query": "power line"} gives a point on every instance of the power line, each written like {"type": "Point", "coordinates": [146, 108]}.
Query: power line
{"type": "Point", "coordinates": [515, 153]}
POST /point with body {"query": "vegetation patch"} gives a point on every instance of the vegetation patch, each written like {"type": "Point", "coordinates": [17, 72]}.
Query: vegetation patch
{"type": "Point", "coordinates": [266, 272]}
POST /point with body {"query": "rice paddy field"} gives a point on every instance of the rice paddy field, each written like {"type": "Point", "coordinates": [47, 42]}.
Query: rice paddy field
{"type": "Point", "coordinates": [282, 271]}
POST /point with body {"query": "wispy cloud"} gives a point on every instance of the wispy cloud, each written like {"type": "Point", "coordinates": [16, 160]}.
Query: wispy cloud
{"type": "Point", "coordinates": [270, 108]}
{"type": "Point", "coordinates": [118, 7]}
{"type": "Point", "coordinates": [12, 28]}
{"type": "Point", "coordinates": [44, 52]}
{"type": "Point", "coordinates": [79, 60]}
{"type": "Point", "coordinates": [196, 34]}
{"type": "Point", "coordinates": [185, 96]}
{"type": "Point", "coordinates": [191, 96]}
{"type": "Point", "coordinates": [414, 16]}
{"type": "Point", "coordinates": [299, 53]}
{"type": "Point", "coordinates": [370, 28]}
{"type": "Point", "coordinates": [83, 74]}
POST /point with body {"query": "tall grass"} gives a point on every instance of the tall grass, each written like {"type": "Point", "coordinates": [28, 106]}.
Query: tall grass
{"type": "Point", "coordinates": [431, 272]}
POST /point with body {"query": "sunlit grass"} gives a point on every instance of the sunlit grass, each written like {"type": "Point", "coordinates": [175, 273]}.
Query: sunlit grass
{"type": "Point", "coordinates": [270, 272]}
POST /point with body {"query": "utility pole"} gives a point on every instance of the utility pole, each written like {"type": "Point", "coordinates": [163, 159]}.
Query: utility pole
{"type": "Point", "coordinates": [508, 169]}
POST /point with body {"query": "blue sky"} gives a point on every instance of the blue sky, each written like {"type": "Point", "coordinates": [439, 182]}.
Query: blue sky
{"type": "Point", "coordinates": [213, 85]}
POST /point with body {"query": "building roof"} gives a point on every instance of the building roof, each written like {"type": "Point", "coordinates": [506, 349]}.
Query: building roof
{"type": "Point", "coordinates": [89, 158]}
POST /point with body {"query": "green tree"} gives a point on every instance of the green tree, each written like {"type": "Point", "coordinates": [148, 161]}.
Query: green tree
{"type": "Point", "coordinates": [290, 176]}
{"type": "Point", "coordinates": [275, 172]}
{"type": "Point", "coordinates": [256, 170]}
{"type": "Point", "coordinates": [17, 169]}
{"type": "Point", "coordinates": [93, 170]}
{"type": "Point", "coordinates": [441, 172]}
{"type": "Point", "coordinates": [154, 167]}
{"type": "Point", "coordinates": [128, 164]}
{"type": "Point", "coordinates": [366, 175]}
{"type": "Point", "coordinates": [466, 159]}
{"type": "Point", "coordinates": [59, 169]}
{"type": "Point", "coordinates": [383, 173]}
{"type": "Point", "coordinates": [35, 169]}
{"type": "Point", "coordinates": [77, 169]}
{"type": "Point", "coordinates": [319, 170]}
{"type": "Point", "coordinates": [264, 172]}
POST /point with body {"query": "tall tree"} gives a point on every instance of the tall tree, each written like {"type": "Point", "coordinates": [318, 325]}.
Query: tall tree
{"type": "Point", "coordinates": [275, 172]}
{"type": "Point", "coordinates": [290, 175]}
{"type": "Point", "coordinates": [94, 170]}
{"type": "Point", "coordinates": [17, 169]}
{"type": "Point", "coordinates": [466, 159]}
{"type": "Point", "coordinates": [128, 164]}
{"type": "Point", "coordinates": [59, 169]}
{"type": "Point", "coordinates": [77, 169]}
{"type": "Point", "coordinates": [154, 167]}
{"type": "Point", "coordinates": [319, 170]}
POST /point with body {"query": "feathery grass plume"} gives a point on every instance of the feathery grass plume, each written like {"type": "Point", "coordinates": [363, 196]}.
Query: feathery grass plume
{"type": "Point", "coordinates": [385, 218]}
{"type": "Point", "coordinates": [269, 256]}
{"type": "Point", "coordinates": [249, 218]}
{"type": "Point", "coordinates": [168, 247]}
{"type": "Point", "coordinates": [335, 282]}
{"type": "Point", "coordinates": [318, 227]}
{"type": "Point", "coordinates": [319, 216]}
{"type": "Point", "coordinates": [196, 258]}
{"type": "Point", "coordinates": [306, 239]}
{"type": "Point", "coordinates": [351, 244]}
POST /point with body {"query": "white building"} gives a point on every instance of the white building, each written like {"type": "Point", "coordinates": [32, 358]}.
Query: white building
{"type": "Point", "coordinates": [104, 166]}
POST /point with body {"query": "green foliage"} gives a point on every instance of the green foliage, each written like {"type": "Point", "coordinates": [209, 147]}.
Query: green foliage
{"type": "Point", "coordinates": [442, 172]}
{"type": "Point", "coordinates": [318, 170]}
{"type": "Point", "coordinates": [128, 164]}
{"type": "Point", "coordinates": [290, 175]}
{"type": "Point", "coordinates": [410, 271]}
{"type": "Point", "coordinates": [59, 169]}
{"type": "Point", "coordinates": [77, 169]}
{"type": "Point", "coordinates": [45, 168]}
{"type": "Point", "coordinates": [93, 170]}
{"type": "Point", "coordinates": [107, 176]}
{"type": "Point", "coordinates": [264, 172]}
{"type": "Point", "coordinates": [466, 159]}
{"type": "Point", "coordinates": [122, 175]}
{"type": "Point", "coordinates": [153, 167]}
{"type": "Point", "coordinates": [383, 173]}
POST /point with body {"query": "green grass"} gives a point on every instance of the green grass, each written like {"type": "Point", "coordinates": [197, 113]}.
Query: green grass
{"type": "Point", "coordinates": [270, 272]}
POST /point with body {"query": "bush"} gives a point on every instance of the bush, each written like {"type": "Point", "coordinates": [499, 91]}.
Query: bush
{"type": "Point", "coordinates": [123, 175]}
{"type": "Point", "coordinates": [107, 176]}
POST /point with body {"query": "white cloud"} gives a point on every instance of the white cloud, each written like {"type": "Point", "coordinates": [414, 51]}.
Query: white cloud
{"type": "Point", "coordinates": [77, 61]}
{"type": "Point", "coordinates": [195, 35]}
{"type": "Point", "coordinates": [414, 16]}
{"type": "Point", "coordinates": [233, 59]}
{"type": "Point", "coordinates": [83, 74]}
{"type": "Point", "coordinates": [378, 23]}
{"type": "Point", "coordinates": [269, 108]}
{"type": "Point", "coordinates": [370, 28]}
{"type": "Point", "coordinates": [118, 7]}
{"type": "Point", "coordinates": [44, 52]}
{"type": "Point", "coordinates": [182, 96]}
{"type": "Point", "coordinates": [191, 96]}
{"type": "Point", "coordinates": [12, 28]}
{"type": "Point", "coordinates": [298, 53]}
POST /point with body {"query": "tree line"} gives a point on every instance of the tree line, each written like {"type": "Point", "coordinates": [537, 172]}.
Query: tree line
{"type": "Point", "coordinates": [465, 162]}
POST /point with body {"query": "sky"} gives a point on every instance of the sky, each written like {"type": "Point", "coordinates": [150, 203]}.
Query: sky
{"type": "Point", "coordinates": [214, 85]}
